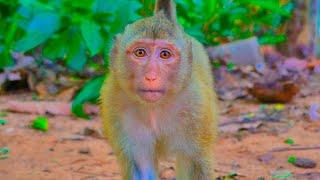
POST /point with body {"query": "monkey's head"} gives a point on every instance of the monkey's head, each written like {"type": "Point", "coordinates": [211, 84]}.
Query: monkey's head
{"type": "Point", "coordinates": [151, 60]}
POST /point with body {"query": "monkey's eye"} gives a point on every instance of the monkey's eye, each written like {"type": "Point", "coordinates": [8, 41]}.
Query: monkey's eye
{"type": "Point", "coordinates": [140, 52]}
{"type": "Point", "coordinates": [165, 54]}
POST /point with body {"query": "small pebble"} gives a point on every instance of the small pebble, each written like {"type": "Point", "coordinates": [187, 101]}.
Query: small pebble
{"type": "Point", "coordinates": [8, 130]}
{"type": "Point", "coordinates": [305, 163]}
{"type": "Point", "coordinates": [46, 169]}
{"type": "Point", "coordinates": [74, 138]}
{"type": "Point", "coordinates": [314, 112]}
{"type": "Point", "coordinates": [88, 131]}
{"type": "Point", "coordinates": [85, 150]}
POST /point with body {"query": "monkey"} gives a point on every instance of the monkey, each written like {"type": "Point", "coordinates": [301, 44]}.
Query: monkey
{"type": "Point", "coordinates": [158, 99]}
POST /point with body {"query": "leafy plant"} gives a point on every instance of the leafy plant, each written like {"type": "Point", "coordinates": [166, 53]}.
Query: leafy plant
{"type": "Point", "coordinates": [75, 32]}
{"type": "Point", "coordinates": [228, 20]}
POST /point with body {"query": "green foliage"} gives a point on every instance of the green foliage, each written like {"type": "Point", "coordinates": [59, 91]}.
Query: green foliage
{"type": "Point", "coordinates": [282, 174]}
{"type": "Point", "coordinates": [3, 122]}
{"type": "Point", "coordinates": [289, 141]}
{"type": "Point", "coordinates": [89, 92]}
{"type": "Point", "coordinates": [73, 32]}
{"type": "Point", "coordinates": [4, 151]}
{"type": "Point", "coordinates": [40, 123]}
{"type": "Point", "coordinates": [65, 30]}
{"type": "Point", "coordinates": [292, 159]}
{"type": "Point", "coordinates": [228, 20]}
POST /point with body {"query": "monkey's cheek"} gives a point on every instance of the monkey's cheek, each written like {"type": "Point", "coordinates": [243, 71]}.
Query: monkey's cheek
{"type": "Point", "coordinates": [151, 97]}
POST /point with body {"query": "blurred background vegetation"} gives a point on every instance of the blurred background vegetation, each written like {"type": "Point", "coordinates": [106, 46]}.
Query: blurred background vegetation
{"type": "Point", "coordinates": [77, 35]}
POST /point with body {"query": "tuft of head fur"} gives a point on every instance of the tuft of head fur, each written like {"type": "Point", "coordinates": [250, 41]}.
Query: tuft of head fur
{"type": "Point", "coordinates": [168, 8]}
{"type": "Point", "coordinates": [162, 25]}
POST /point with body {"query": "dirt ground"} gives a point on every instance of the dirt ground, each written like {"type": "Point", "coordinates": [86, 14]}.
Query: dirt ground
{"type": "Point", "coordinates": [61, 153]}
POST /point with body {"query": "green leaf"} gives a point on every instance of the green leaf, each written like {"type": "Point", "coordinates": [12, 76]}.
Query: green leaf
{"type": "Point", "coordinates": [209, 6]}
{"type": "Point", "coordinates": [274, 6]}
{"type": "Point", "coordinates": [289, 141]}
{"type": "Point", "coordinates": [55, 48]}
{"type": "Point", "coordinates": [89, 92]}
{"type": "Point", "coordinates": [5, 58]}
{"type": "Point", "coordinates": [76, 56]}
{"type": "Point", "coordinates": [3, 122]}
{"type": "Point", "coordinates": [103, 6]}
{"type": "Point", "coordinates": [3, 114]}
{"type": "Point", "coordinates": [92, 37]}
{"type": "Point", "coordinates": [292, 159]}
{"type": "Point", "coordinates": [39, 30]}
{"type": "Point", "coordinates": [4, 150]}
{"type": "Point", "coordinates": [122, 18]}
{"type": "Point", "coordinates": [40, 123]}
{"type": "Point", "coordinates": [269, 39]}
{"type": "Point", "coordinates": [281, 175]}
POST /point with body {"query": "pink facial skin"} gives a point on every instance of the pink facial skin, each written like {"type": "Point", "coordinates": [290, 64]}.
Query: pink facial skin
{"type": "Point", "coordinates": [151, 70]}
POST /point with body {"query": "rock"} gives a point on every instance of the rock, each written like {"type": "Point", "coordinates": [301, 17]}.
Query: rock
{"type": "Point", "coordinates": [308, 175]}
{"type": "Point", "coordinates": [265, 158]}
{"type": "Point", "coordinates": [46, 169]}
{"type": "Point", "coordinates": [294, 64]}
{"type": "Point", "coordinates": [85, 150]}
{"type": "Point", "coordinates": [88, 131]}
{"type": "Point", "coordinates": [305, 163]}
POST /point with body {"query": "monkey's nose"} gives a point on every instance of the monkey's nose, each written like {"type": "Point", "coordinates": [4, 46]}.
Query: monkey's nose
{"type": "Point", "coordinates": [150, 78]}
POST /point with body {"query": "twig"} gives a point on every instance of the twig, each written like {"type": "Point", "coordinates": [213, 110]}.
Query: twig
{"type": "Point", "coordinates": [227, 172]}
{"type": "Point", "coordinates": [281, 149]}
{"type": "Point", "coordinates": [317, 174]}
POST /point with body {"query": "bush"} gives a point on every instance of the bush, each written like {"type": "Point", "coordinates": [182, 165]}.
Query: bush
{"type": "Point", "coordinates": [74, 32]}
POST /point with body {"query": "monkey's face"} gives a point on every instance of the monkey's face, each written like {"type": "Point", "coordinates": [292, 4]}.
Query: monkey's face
{"type": "Point", "coordinates": [152, 65]}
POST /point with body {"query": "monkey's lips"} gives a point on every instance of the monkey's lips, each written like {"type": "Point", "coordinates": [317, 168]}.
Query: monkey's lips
{"type": "Point", "coordinates": [151, 95]}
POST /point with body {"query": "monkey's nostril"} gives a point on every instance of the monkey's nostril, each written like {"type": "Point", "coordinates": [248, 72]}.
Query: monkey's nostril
{"type": "Point", "coordinates": [150, 78]}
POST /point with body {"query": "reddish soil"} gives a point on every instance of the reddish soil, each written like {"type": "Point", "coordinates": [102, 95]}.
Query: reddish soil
{"type": "Point", "coordinates": [53, 155]}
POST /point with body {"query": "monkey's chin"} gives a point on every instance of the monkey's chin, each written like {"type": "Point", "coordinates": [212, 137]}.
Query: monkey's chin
{"type": "Point", "coordinates": [151, 96]}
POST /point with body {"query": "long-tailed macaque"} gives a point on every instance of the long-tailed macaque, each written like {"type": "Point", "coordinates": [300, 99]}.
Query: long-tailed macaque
{"type": "Point", "coordinates": [158, 99]}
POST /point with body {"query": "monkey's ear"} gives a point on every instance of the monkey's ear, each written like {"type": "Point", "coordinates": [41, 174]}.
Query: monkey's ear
{"type": "Point", "coordinates": [168, 7]}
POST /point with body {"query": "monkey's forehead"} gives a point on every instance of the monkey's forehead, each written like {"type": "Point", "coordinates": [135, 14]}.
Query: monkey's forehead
{"type": "Point", "coordinates": [156, 27]}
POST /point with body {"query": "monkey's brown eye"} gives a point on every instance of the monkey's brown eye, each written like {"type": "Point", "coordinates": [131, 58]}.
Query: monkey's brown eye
{"type": "Point", "coordinates": [165, 54]}
{"type": "Point", "coordinates": [140, 52]}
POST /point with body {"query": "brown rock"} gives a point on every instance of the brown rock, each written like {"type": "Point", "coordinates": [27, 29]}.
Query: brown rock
{"type": "Point", "coordinates": [305, 163]}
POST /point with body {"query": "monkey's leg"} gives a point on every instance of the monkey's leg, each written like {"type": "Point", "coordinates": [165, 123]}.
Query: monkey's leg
{"type": "Point", "coordinates": [138, 154]}
{"type": "Point", "coordinates": [135, 165]}
{"type": "Point", "coordinates": [144, 172]}
{"type": "Point", "coordinates": [194, 168]}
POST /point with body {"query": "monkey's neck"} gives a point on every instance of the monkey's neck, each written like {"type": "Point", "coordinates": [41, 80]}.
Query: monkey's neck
{"type": "Point", "coordinates": [153, 121]}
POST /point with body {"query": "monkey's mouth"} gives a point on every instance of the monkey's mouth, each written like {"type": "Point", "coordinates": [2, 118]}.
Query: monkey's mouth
{"type": "Point", "coordinates": [151, 95]}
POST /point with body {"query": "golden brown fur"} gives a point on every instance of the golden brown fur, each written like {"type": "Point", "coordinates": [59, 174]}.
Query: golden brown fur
{"type": "Point", "coordinates": [185, 118]}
